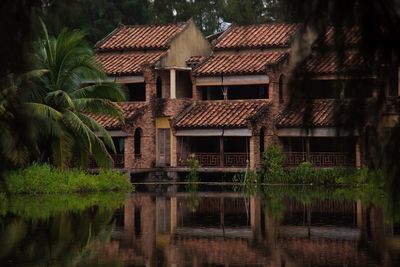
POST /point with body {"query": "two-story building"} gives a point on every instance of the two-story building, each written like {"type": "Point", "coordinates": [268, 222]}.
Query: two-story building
{"type": "Point", "coordinates": [225, 102]}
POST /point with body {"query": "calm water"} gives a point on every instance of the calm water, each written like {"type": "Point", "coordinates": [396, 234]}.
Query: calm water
{"type": "Point", "coordinates": [200, 225]}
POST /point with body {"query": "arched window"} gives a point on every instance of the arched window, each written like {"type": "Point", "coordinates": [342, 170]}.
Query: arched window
{"type": "Point", "coordinates": [281, 86]}
{"type": "Point", "coordinates": [262, 144]}
{"type": "Point", "coordinates": [159, 87]}
{"type": "Point", "coordinates": [137, 145]}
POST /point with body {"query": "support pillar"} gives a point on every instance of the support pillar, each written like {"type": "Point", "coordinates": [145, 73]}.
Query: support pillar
{"type": "Point", "coordinates": [221, 151]}
{"type": "Point", "coordinates": [358, 154]}
{"type": "Point", "coordinates": [172, 87]}
{"type": "Point", "coordinates": [174, 214]}
{"type": "Point", "coordinates": [129, 154]}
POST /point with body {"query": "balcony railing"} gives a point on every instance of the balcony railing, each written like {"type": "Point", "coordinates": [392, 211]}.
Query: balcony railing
{"type": "Point", "coordinates": [320, 159]}
{"type": "Point", "coordinates": [215, 159]}
{"type": "Point", "coordinates": [119, 161]}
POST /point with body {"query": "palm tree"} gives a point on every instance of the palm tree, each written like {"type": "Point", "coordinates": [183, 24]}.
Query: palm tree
{"type": "Point", "coordinates": [65, 87]}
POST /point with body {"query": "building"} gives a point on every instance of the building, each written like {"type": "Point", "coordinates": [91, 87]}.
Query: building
{"type": "Point", "coordinates": [225, 102]}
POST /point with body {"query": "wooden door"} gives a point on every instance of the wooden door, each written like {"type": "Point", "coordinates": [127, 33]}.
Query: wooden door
{"type": "Point", "coordinates": [164, 147]}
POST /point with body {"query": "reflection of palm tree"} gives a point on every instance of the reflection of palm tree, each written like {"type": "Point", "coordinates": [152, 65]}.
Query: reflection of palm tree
{"type": "Point", "coordinates": [69, 84]}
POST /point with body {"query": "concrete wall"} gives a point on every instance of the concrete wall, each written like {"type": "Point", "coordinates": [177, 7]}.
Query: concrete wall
{"type": "Point", "coordinates": [190, 42]}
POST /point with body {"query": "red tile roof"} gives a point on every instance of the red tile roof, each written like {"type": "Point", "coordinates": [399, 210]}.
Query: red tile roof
{"type": "Point", "coordinates": [193, 61]}
{"type": "Point", "coordinates": [232, 64]}
{"type": "Point", "coordinates": [221, 114]}
{"type": "Point", "coordinates": [140, 37]}
{"type": "Point", "coordinates": [342, 36]}
{"type": "Point", "coordinates": [257, 36]}
{"type": "Point", "coordinates": [317, 113]}
{"type": "Point", "coordinates": [333, 63]}
{"type": "Point", "coordinates": [122, 64]}
{"type": "Point", "coordinates": [131, 110]}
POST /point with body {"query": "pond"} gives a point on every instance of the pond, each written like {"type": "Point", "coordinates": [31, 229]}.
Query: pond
{"type": "Point", "coordinates": [202, 225]}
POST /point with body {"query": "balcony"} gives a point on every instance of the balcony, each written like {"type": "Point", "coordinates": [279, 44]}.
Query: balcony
{"type": "Point", "coordinates": [320, 159]}
{"type": "Point", "coordinates": [215, 159]}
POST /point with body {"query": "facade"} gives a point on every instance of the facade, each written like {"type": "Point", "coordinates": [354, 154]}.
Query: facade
{"type": "Point", "coordinates": [225, 102]}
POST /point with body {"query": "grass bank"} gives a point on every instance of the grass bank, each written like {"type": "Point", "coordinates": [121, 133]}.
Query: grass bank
{"type": "Point", "coordinates": [44, 179]}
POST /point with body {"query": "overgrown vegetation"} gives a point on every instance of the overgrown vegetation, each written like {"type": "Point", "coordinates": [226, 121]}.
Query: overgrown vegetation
{"type": "Point", "coordinates": [192, 186]}
{"type": "Point", "coordinates": [273, 172]}
{"type": "Point", "coordinates": [38, 179]}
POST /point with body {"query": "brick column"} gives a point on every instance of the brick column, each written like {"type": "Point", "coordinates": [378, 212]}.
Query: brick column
{"type": "Point", "coordinates": [129, 154]}
{"type": "Point", "coordinates": [174, 149]}
{"type": "Point", "coordinates": [254, 152]}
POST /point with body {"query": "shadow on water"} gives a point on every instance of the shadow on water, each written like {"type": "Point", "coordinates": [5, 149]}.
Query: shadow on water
{"type": "Point", "coordinates": [200, 224]}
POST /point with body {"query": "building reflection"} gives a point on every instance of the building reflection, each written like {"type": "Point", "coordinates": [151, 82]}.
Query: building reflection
{"type": "Point", "coordinates": [231, 229]}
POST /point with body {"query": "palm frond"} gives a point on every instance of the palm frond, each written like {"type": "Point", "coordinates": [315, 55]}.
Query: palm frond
{"type": "Point", "coordinates": [98, 128]}
{"type": "Point", "coordinates": [43, 111]}
{"type": "Point", "coordinates": [99, 106]}
{"type": "Point", "coordinates": [105, 90]}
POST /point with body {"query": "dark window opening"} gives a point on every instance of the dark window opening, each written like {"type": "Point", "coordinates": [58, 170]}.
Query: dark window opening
{"type": "Point", "coordinates": [137, 140]}
{"type": "Point", "coordinates": [212, 93]}
{"type": "Point", "coordinates": [248, 92]}
{"type": "Point", "coordinates": [235, 92]}
{"type": "Point", "coordinates": [119, 144]}
{"type": "Point", "coordinates": [119, 217]}
{"type": "Point", "coordinates": [323, 89]}
{"type": "Point", "coordinates": [183, 84]}
{"type": "Point", "coordinates": [393, 83]}
{"type": "Point", "coordinates": [236, 144]}
{"type": "Point", "coordinates": [159, 87]}
{"type": "Point", "coordinates": [136, 91]}
{"type": "Point", "coordinates": [358, 88]}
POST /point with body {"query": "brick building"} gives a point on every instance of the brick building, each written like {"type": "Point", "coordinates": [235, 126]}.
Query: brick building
{"type": "Point", "coordinates": [224, 102]}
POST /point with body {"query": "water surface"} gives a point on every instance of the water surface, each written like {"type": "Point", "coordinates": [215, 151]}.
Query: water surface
{"type": "Point", "coordinates": [202, 225]}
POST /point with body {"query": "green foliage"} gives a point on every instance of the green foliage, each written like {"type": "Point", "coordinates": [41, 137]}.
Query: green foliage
{"type": "Point", "coordinates": [38, 179]}
{"type": "Point", "coordinates": [64, 87]}
{"type": "Point", "coordinates": [192, 187]}
{"type": "Point", "coordinates": [41, 207]}
{"type": "Point", "coordinates": [272, 164]}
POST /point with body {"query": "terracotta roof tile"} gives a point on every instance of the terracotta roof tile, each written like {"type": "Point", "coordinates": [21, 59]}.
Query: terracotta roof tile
{"type": "Point", "coordinates": [140, 37]}
{"type": "Point", "coordinates": [122, 64]}
{"type": "Point", "coordinates": [193, 61]}
{"type": "Point", "coordinates": [332, 63]}
{"type": "Point", "coordinates": [221, 114]}
{"type": "Point", "coordinates": [131, 111]}
{"type": "Point", "coordinates": [320, 114]}
{"type": "Point", "coordinates": [231, 64]}
{"type": "Point", "coordinates": [257, 36]}
{"type": "Point", "coordinates": [343, 36]}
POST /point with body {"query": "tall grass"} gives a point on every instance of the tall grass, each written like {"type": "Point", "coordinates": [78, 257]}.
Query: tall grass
{"type": "Point", "coordinates": [38, 179]}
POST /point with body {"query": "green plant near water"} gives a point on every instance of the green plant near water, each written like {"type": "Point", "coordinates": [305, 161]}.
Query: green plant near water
{"type": "Point", "coordinates": [192, 187]}
{"type": "Point", "coordinates": [38, 179]}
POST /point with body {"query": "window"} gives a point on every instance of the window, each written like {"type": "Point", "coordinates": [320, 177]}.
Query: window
{"type": "Point", "coordinates": [159, 87]}
{"type": "Point", "coordinates": [136, 91]}
{"type": "Point", "coordinates": [236, 92]}
{"type": "Point", "coordinates": [137, 145]}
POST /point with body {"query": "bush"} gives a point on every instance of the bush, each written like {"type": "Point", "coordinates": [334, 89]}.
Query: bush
{"type": "Point", "coordinates": [272, 164]}
{"type": "Point", "coordinates": [45, 179]}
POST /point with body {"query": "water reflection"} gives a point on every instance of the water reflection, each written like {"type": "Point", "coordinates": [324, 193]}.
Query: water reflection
{"type": "Point", "coordinates": [232, 229]}
{"type": "Point", "coordinates": [211, 228]}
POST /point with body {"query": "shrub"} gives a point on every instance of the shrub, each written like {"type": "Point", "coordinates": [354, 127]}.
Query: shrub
{"type": "Point", "coordinates": [272, 164]}
{"type": "Point", "coordinates": [45, 179]}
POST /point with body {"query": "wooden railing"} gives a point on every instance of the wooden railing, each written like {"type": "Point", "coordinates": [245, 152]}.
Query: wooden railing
{"type": "Point", "coordinates": [320, 159]}
{"type": "Point", "coordinates": [119, 161]}
{"type": "Point", "coordinates": [215, 159]}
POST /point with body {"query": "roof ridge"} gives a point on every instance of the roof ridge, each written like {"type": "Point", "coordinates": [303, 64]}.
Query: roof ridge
{"type": "Point", "coordinates": [180, 23]}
